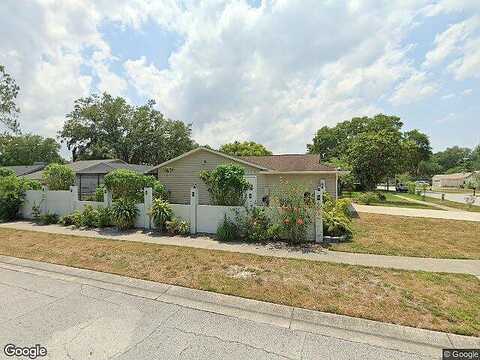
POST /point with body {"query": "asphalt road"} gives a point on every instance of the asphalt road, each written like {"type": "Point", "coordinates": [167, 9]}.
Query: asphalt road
{"type": "Point", "coordinates": [77, 321]}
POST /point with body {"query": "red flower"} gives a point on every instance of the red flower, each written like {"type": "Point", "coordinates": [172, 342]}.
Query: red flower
{"type": "Point", "coordinates": [300, 221]}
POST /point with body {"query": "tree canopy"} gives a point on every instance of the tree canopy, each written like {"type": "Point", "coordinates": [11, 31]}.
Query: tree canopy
{"type": "Point", "coordinates": [8, 93]}
{"type": "Point", "coordinates": [373, 148]}
{"type": "Point", "coordinates": [104, 126]}
{"type": "Point", "coordinates": [28, 149]}
{"type": "Point", "coordinates": [246, 148]}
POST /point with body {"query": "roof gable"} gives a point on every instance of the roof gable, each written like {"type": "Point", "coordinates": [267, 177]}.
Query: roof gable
{"type": "Point", "coordinates": [290, 162]}
{"type": "Point", "coordinates": [234, 158]}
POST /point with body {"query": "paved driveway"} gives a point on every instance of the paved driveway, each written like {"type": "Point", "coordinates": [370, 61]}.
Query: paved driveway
{"type": "Point", "coordinates": [78, 321]}
{"type": "Point", "coordinates": [460, 198]}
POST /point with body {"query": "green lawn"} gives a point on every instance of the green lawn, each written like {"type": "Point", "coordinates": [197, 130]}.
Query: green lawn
{"type": "Point", "coordinates": [410, 236]}
{"type": "Point", "coordinates": [448, 203]}
{"type": "Point", "coordinates": [391, 201]}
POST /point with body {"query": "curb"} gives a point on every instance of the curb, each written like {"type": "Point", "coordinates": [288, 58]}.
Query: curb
{"type": "Point", "coordinates": [391, 336]}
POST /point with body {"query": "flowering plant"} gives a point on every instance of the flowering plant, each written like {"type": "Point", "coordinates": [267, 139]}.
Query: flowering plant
{"type": "Point", "coordinates": [294, 209]}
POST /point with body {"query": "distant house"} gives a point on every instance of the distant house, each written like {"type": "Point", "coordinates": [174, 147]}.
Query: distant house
{"type": "Point", "coordinates": [451, 180]}
{"type": "Point", "coordinates": [90, 173]}
{"type": "Point", "coordinates": [263, 172]}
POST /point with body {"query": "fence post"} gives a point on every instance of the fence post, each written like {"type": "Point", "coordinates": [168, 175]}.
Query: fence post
{"type": "Point", "coordinates": [43, 203]}
{"type": "Point", "coordinates": [73, 198]}
{"type": "Point", "coordinates": [193, 209]}
{"type": "Point", "coordinates": [318, 216]}
{"type": "Point", "coordinates": [147, 203]}
{"type": "Point", "coordinates": [107, 198]}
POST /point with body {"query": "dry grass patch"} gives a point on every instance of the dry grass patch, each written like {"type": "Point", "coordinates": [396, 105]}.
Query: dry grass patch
{"type": "Point", "coordinates": [445, 302]}
{"type": "Point", "coordinates": [409, 236]}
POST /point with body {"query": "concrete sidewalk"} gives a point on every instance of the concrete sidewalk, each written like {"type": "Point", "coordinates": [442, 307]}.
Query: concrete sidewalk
{"type": "Point", "coordinates": [80, 313]}
{"type": "Point", "coordinates": [396, 262]}
{"type": "Point", "coordinates": [425, 213]}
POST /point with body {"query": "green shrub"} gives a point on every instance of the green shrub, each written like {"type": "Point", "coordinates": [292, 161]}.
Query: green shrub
{"type": "Point", "coordinates": [58, 177]}
{"type": "Point", "coordinates": [228, 230]}
{"type": "Point", "coordinates": [48, 218]}
{"type": "Point", "coordinates": [226, 184]}
{"type": "Point", "coordinates": [6, 172]}
{"type": "Point", "coordinates": [367, 198]}
{"type": "Point", "coordinates": [99, 191]}
{"type": "Point", "coordinates": [159, 190]}
{"type": "Point", "coordinates": [254, 224]}
{"type": "Point", "coordinates": [177, 226]}
{"type": "Point", "coordinates": [128, 184]}
{"type": "Point", "coordinates": [292, 212]}
{"type": "Point", "coordinates": [88, 217]}
{"type": "Point", "coordinates": [161, 212]}
{"type": "Point", "coordinates": [69, 219]}
{"type": "Point", "coordinates": [337, 219]}
{"type": "Point", "coordinates": [336, 224]}
{"type": "Point", "coordinates": [124, 213]}
{"type": "Point", "coordinates": [104, 217]}
{"type": "Point", "coordinates": [12, 195]}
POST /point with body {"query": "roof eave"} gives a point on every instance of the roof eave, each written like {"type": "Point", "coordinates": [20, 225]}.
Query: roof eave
{"type": "Point", "coordinates": [306, 172]}
{"type": "Point", "coordinates": [211, 151]}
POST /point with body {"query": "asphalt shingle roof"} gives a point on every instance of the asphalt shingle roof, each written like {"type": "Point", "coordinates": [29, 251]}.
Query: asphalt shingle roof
{"type": "Point", "coordinates": [289, 162]}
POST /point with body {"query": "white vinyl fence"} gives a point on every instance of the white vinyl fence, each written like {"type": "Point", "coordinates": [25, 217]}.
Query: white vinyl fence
{"type": "Point", "coordinates": [202, 218]}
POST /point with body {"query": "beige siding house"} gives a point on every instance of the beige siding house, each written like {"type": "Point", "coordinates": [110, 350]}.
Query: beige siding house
{"type": "Point", "coordinates": [451, 180]}
{"type": "Point", "coordinates": [263, 172]}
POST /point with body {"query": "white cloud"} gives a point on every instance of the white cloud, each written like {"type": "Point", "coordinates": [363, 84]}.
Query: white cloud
{"type": "Point", "coordinates": [276, 73]}
{"type": "Point", "coordinates": [448, 96]}
{"type": "Point", "coordinates": [460, 44]}
{"type": "Point", "coordinates": [273, 73]}
{"type": "Point", "coordinates": [416, 87]}
{"type": "Point", "coordinates": [467, 92]}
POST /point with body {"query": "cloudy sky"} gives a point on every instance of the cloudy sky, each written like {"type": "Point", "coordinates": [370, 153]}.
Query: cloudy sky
{"type": "Point", "coordinates": [268, 71]}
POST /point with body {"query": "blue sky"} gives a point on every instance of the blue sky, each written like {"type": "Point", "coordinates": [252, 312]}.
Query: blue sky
{"type": "Point", "coordinates": [268, 71]}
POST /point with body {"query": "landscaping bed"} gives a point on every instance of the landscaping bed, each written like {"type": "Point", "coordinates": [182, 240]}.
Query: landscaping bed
{"type": "Point", "coordinates": [444, 302]}
{"type": "Point", "coordinates": [410, 236]}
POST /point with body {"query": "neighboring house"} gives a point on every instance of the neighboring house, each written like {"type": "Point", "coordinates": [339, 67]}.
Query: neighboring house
{"type": "Point", "coordinates": [23, 170]}
{"type": "Point", "coordinates": [263, 172]}
{"type": "Point", "coordinates": [451, 180]}
{"type": "Point", "coordinates": [90, 173]}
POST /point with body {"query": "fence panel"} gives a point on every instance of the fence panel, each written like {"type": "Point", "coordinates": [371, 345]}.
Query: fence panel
{"type": "Point", "coordinates": [140, 220]}
{"type": "Point", "coordinates": [58, 202]}
{"type": "Point", "coordinates": [32, 198]}
{"type": "Point", "coordinates": [181, 211]}
{"type": "Point", "coordinates": [210, 216]}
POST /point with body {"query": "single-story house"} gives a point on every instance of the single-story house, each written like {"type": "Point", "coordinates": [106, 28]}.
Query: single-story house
{"type": "Point", "coordinates": [90, 173]}
{"type": "Point", "coordinates": [22, 170]}
{"type": "Point", "coordinates": [451, 180]}
{"type": "Point", "coordinates": [263, 172]}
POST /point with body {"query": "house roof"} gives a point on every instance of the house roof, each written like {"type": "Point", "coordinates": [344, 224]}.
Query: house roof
{"type": "Point", "coordinates": [290, 162]}
{"type": "Point", "coordinates": [82, 167]}
{"type": "Point", "coordinates": [25, 169]}
{"type": "Point", "coordinates": [268, 164]}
